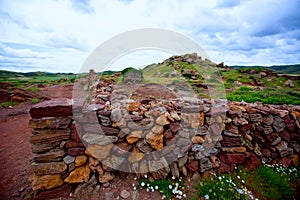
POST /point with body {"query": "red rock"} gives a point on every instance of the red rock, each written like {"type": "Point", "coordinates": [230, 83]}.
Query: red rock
{"type": "Point", "coordinates": [285, 135]}
{"type": "Point", "coordinates": [290, 124]}
{"type": "Point", "coordinates": [193, 166]}
{"type": "Point", "coordinates": [272, 137]}
{"type": "Point", "coordinates": [232, 158]}
{"type": "Point", "coordinates": [174, 127]}
{"type": "Point", "coordinates": [168, 134]}
{"type": "Point", "coordinates": [59, 192]}
{"type": "Point", "coordinates": [74, 133]}
{"type": "Point", "coordinates": [224, 168]}
{"type": "Point", "coordinates": [121, 148]}
{"type": "Point", "coordinates": [246, 128]}
{"type": "Point", "coordinates": [73, 143]}
{"type": "Point", "coordinates": [231, 141]}
{"type": "Point", "coordinates": [266, 152]}
{"type": "Point", "coordinates": [252, 162]}
{"type": "Point", "coordinates": [53, 108]}
{"type": "Point", "coordinates": [76, 151]}
{"type": "Point", "coordinates": [110, 131]}
{"type": "Point", "coordinates": [287, 162]}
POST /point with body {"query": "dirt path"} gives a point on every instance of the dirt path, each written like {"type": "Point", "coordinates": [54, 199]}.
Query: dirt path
{"type": "Point", "coordinates": [15, 149]}
{"type": "Point", "coordinates": [15, 156]}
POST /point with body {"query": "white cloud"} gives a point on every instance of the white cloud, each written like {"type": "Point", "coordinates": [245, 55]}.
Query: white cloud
{"type": "Point", "coordinates": [237, 32]}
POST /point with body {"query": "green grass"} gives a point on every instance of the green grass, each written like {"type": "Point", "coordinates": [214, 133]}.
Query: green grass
{"type": "Point", "coordinates": [28, 80]}
{"type": "Point", "coordinates": [6, 104]}
{"type": "Point", "coordinates": [33, 89]}
{"type": "Point", "coordinates": [34, 100]}
{"type": "Point", "coordinates": [268, 95]}
{"type": "Point", "coordinates": [267, 182]}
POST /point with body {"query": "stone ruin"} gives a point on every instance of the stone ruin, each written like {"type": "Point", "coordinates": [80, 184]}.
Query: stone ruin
{"type": "Point", "coordinates": [112, 134]}
{"type": "Point", "coordinates": [133, 77]}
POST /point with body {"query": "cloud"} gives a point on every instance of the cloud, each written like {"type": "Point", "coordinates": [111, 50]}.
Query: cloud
{"type": "Point", "coordinates": [55, 34]}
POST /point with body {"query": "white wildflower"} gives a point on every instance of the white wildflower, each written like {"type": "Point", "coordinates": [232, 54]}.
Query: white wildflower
{"type": "Point", "coordinates": [206, 197]}
{"type": "Point", "coordinates": [156, 187]}
{"type": "Point", "coordinates": [170, 187]}
{"type": "Point", "coordinates": [142, 184]}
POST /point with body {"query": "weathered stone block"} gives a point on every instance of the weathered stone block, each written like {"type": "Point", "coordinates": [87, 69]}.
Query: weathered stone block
{"type": "Point", "coordinates": [232, 158]}
{"type": "Point", "coordinates": [97, 151]}
{"type": "Point", "coordinates": [278, 124]}
{"type": "Point", "coordinates": [45, 182]}
{"type": "Point", "coordinates": [54, 155]}
{"type": "Point", "coordinates": [79, 175]}
{"type": "Point", "coordinates": [98, 139]}
{"type": "Point", "coordinates": [44, 136]}
{"type": "Point", "coordinates": [40, 148]}
{"type": "Point", "coordinates": [53, 108]}
{"type": "Point", "coordinates": [50, 122]}
{"type": "Point", "coordinates": [231, 141]}
{"type": "Point", "coordinates": [76, 151]}
{"type": "Point", "coordinates": [255, 117]}
{"type": "Point", "coordinates": [48, 168]}
{"type": "Point", "coordinates": [134, 136]}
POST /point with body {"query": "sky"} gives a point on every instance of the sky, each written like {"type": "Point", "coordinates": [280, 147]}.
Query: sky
{"type": "Point", "coordinates": [59, 35]}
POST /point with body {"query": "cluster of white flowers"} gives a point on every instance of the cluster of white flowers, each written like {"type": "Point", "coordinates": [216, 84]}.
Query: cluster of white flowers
{"type": "Point", "coordinates": [176, 191]}
{"type": "Point", "coordinates": [149, 188]}
{"type": "Point", "coordinates": [175, 188]}
{"type": "Point", "coordinates": [133, 186]}
{"type": "Point", "coordinates": [282, 169]}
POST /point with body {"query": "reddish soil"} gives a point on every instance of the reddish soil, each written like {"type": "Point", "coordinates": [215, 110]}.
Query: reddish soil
{"type": "Point", "coordinates": [15, 149]}
{"type": "Point", "coordinates": [15, 152]}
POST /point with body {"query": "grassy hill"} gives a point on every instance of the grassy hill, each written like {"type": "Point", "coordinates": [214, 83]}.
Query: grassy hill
{"type": "Point", "coordinates": [189, 74]}
{"type": "Point", "coordinates": [21, 80]}
{"type": "Point", "coordinates": [281, 69]}
{"type": "Point", "coordinates": [240, 83]}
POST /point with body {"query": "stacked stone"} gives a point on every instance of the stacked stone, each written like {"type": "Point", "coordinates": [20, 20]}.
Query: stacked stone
{"type": "Point", "coordinates": [156, 137]}
{"type": "Point", "coordinates": [256, 133]}
{"type": "Point", "coordinates": [58, 150]}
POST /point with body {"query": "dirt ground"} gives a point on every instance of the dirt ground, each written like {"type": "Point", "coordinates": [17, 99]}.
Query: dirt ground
{"type": "Point", "coordinates": [15, 149]}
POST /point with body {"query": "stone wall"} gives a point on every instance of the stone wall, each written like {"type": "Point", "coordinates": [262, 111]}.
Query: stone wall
{"type": "Point", "coordinates": [114, 134]}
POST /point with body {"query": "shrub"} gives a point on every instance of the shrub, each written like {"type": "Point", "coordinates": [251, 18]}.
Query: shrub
{"type": "Point", "coordinates": [34, 100]}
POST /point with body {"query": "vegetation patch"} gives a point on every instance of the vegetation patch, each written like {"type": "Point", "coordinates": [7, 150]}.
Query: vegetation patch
{"type": "Point", "coordinates": [7, 104]}
{"type": "Point", "coordinates": [169, 189]}
{"type": "Point", "coordinates": [267, 182]}
{"type": "Point", "coordinates": [268, 95]}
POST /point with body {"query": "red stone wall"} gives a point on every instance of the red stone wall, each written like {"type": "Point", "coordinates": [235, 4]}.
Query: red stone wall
{"type": "Point", "coordinates": [155, 137]}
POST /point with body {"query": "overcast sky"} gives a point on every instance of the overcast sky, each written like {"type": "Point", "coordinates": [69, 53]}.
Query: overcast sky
{"type": "Point", "coordinates": [58, 35]}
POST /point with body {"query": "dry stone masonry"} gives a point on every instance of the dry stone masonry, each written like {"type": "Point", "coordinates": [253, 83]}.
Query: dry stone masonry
{"type": "Point", "coordinates": [113, 134]}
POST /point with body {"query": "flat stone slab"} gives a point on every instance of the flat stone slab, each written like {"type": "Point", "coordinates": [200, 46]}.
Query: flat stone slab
{"type": "Point", "coordinates": [58, 107]}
